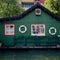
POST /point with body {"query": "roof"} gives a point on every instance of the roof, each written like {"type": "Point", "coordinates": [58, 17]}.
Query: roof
{"type": "Point", "coordinates": [28, 11]}
{"type": "Point", "coordinates": [27, 0]}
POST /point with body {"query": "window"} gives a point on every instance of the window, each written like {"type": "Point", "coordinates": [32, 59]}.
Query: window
{"type": "Point", "coordinates": [27, 5]}
{"type": "Point", "coordinates": [22, 28]}
{"type": "Point", "coordinates": [52, 30]}
{"type": "Point", "coordinates": [38, 11]}
{"type": "Point", "coordinates": [38, 29]}
{"type": "Point", "coordinates": [9, 29]}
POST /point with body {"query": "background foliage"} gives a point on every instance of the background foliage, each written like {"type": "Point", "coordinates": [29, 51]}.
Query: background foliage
{"type": "Point", "coordinates": [10, 8]}
{"type": "Point", "coordinates": [53, 5]}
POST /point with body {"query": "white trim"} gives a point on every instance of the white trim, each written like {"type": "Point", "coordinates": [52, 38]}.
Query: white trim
{"type": "Point", "coordinates": [58, 35]}
{"type": "Point", "coordinates": [39, 12]}
{"type": "Point", "coordinates": [51, 32]}
{"type": "Point", "coordinates": [39, 34]}
{"type": "Point", "coordinates": [9, 30]}
{"type": "Point", "coordinates": [24, 27]}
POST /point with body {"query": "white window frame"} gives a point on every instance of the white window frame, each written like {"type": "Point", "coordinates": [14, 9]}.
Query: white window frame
{"type": "Point", "coordinates": [38, 10]}
{"type": "Point", "coordinates": [54, 30]}
{"type": "Point", "coordinates": [39, 34]}
{"type": "Point", "coordinates": [25, 29]}
{"type": "Point", "coordinates": [8, 30]}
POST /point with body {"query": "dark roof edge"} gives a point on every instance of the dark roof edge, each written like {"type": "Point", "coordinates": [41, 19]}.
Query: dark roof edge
{"type": "Point", "coordinates": [50, 13]}
{"type": "Point", "coordinates": [28, 11]}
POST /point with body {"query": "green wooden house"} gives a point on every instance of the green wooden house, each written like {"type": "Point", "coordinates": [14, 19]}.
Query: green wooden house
{"type": "Point", "coordinates": [35, 28]}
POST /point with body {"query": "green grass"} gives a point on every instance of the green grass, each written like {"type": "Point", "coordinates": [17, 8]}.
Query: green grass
{"type": "Point", "coordinates": [30, 55]}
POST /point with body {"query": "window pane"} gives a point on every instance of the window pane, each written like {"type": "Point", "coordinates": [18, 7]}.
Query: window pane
{"type": "Point", "coordinates": [27, 5]}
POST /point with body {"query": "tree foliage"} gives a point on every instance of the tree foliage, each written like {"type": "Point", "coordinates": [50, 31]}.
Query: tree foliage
{"type": "Point", "coordinates": [10, 8]}
{"type": "Point", "coordinates": [53, 5]}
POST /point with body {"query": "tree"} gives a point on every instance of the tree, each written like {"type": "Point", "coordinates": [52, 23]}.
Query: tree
{"type": "Point", "coordinates": [53, 5]}
{"type": "Point", "coordinates": [10, 8]}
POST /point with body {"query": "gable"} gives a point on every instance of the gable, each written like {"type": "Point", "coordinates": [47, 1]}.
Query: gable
{"type": "Point", "coordinates": [43, 18]}
{"type": "Point", "coordinates": [28, 18]}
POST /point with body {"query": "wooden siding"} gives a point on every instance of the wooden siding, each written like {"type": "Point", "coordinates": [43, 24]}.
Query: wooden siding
{"type": "Point", "coordinates": [29, 19]}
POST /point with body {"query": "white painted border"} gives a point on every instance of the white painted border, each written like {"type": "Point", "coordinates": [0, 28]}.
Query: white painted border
{"type": "Point", "coordinates": [24, 27]}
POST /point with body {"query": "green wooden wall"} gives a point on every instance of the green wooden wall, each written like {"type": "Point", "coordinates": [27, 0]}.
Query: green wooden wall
{"type": "Point", "coordinates": [29, 19]}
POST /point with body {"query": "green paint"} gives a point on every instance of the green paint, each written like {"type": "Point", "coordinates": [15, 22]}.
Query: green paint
{"type": "Point", "coordinates": [29, 19]}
